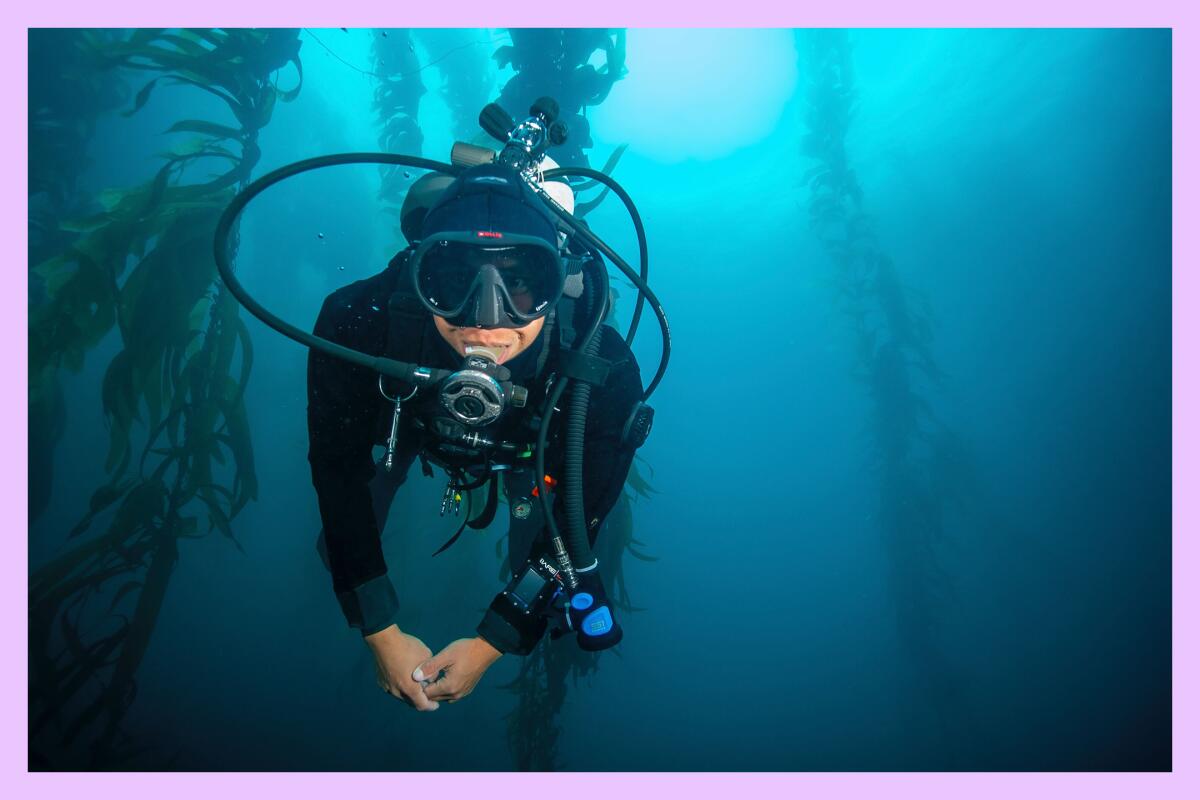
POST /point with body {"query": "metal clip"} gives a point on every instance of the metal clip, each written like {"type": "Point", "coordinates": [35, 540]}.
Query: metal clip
{"type": "Point", "coordinates": [393, 437]}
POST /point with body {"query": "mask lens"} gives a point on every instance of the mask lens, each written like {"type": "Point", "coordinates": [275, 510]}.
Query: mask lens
{"type": "Point", "coordinates": [530, 277]}
{"type": "Point", "coordinates": [448, 271]}
{"type": "Point", "coordinates": [445, 276]}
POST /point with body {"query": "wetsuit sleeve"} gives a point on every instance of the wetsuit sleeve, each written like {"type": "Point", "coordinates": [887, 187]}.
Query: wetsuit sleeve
{"type": "Point", "coordinates": [342, 408]}
{"type": "Point", "coordinates": [606, 466]}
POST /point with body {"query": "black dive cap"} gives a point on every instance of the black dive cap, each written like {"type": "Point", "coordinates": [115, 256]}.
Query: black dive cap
{"type": "Point", "coordinates": [490, 198]}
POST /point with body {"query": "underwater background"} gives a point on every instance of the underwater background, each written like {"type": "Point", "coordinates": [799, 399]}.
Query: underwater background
{"type": "Point", "coordinates": [906, 504]}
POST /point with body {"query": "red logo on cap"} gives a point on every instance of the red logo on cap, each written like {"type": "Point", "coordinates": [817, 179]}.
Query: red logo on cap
{"type": "Point", "coordinates": [489, 235]}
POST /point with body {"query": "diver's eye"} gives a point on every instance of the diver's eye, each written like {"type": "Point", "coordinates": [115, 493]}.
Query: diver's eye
{"type": "Point", "coordinates": [458, 279]}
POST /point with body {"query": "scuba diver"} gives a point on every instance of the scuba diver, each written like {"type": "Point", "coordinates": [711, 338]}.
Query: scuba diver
{"type": "Point", "coordinates": [480, 350]}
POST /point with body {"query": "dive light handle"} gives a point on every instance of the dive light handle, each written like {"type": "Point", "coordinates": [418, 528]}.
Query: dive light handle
{"type": "Point", "coordinates": [591, 615]}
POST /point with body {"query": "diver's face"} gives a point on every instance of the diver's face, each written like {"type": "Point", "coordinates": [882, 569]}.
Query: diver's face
{"type": "Point", "coordinates": [507, 342]}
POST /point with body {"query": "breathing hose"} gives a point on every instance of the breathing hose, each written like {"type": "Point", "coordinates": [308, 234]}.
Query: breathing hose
{"type": "Point", "coordinates": [410, 373]}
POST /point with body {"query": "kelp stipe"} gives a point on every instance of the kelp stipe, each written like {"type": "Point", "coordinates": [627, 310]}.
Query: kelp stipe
{"type": "Point", "coordinates": [893, 343]}
{"type": "Point", "coordinates": [460, 55]}
{"type": "Point", "coordinates": [397, 102]}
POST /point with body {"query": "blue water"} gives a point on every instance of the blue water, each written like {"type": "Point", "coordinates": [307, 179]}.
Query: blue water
{"type": "Point", "coordinates": [1020, 182]}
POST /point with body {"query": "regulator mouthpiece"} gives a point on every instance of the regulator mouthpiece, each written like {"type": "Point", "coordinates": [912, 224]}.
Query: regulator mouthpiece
{"type": "Point", "coordinates": [486, 352]}
{"type": "Point", "coordinates": [480, 392]}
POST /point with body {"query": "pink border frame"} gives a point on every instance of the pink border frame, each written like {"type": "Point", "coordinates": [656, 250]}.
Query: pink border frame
{"type": "Point", "coordinates": [15, 781]}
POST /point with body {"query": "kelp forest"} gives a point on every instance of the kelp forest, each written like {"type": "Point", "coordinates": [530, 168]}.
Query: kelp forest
{"type": "Point", "coordinates": [136, 261]}
{"type": "Point", "coordinates": [849, 502]}
{"type": "Point", "coordinates": [180, 463]}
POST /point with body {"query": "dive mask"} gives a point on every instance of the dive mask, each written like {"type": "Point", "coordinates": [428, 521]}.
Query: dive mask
{"type": "Point", "coordinates": [487, 279]}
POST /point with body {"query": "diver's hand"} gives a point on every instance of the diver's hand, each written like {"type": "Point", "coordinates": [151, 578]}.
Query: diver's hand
{"type": "Point", "coordinates": [453, 673]}
{"type": "Point", "coordinates": [396, 655]}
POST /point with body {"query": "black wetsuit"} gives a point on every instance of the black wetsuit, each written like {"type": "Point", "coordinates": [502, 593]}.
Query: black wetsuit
{"type": "Point", "coordinates": [347, 416]}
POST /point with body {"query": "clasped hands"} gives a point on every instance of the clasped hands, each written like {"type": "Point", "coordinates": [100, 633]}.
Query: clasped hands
{"type": "Point", "coordinates": [408, 670]}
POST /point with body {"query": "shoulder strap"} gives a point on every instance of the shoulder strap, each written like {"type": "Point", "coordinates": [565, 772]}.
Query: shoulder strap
{"type": "Point", "coordinates": [548, 332]}
{"type": "Point", "coordinates": [569, 302]}
{"type": "Point", "coordinates": [572, 363]}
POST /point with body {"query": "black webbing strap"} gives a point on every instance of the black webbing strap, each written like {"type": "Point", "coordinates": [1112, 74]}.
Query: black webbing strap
{"type": "Point", "coordinates": [489, 510]}
{"type": "Point", "coordinates": [547, 338]}
{"type": "Point", "coordinates": [458, 532]}
{"type": "Point", "coordinates": [582, 367]}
